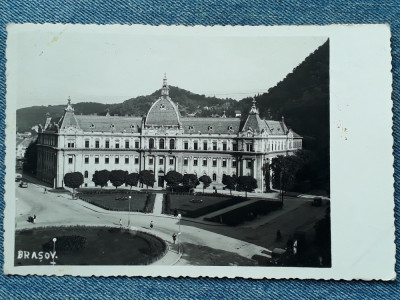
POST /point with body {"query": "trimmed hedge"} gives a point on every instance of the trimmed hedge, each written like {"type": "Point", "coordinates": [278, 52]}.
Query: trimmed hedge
{"type": "Point", "coordinates": [246, 213]}
{"type": "Point", "coordinates": [195, 213]}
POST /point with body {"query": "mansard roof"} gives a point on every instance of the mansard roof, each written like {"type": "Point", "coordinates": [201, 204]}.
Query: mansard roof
{"type": "Point", "coordinates": [163, 112]}
{"type": "Point", "coordinates": [211, 125]}
{"type": "Point", "coordinates": [109, 123]}
{"type": "Point", "coordinates": [276, 127]}
{"type": "Point", "coordinates": [253, 123]}
{"type": "Point", "coordinates": [68, 120]}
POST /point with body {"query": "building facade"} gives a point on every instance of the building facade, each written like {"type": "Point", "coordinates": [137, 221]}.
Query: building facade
{"type": "Point", "coordinates": [161, 141]}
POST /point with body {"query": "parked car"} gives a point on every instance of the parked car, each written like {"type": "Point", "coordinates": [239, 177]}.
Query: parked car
{"type": "Point", "coordinates": [23, 184]}
{"type": "Point", "coordinates": [18, 177]}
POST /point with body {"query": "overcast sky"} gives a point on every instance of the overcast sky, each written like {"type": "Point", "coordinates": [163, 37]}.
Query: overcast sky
{"type": "Point", "coordinates": [109, 66]}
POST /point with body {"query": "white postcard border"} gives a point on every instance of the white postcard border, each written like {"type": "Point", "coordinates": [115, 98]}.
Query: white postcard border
{"type": "Point", "coordinates": [362, 192]}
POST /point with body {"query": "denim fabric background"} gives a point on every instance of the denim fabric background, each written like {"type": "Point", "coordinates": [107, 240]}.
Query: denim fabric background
{"type": "Point", "coordinates": [211, 12]}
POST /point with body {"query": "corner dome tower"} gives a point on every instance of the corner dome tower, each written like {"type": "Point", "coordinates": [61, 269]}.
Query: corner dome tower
{"type": "Point", "coordinates": [163, 112]}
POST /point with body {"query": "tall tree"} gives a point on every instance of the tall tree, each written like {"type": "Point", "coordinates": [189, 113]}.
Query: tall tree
{"type": "Point", "coordinates": [30, 158]}
{"type": "Point", "coordinates": [267, 177]}
{"type": "Point", "coordinates": [101, 178]}
{"type": "Point", "coordinates": [246, 183]}
{"type": "Point", "coordinates": [117, 177]}
{"type": "Point", "coordinates": [206, 180]}
{"type": "Point", "coordinates": [284, 170]}
{"type": "Point", "coordinates": [132, 179]}
{"type": "Point", "coordinates": [190, 180]}
{"type": "Point", "coordinates": [173, 179]}
{"type": "Point", "coordinates": [73, 180]}
{"type": "Point", "coordinates": [147, 178]}
{"type": "Point", "coordinates": [229, 182]}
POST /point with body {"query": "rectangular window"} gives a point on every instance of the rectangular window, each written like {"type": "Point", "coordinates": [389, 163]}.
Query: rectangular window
{"type": "Point", "coordinates": [86, 174]}
{"type": "Point", "coordinates": [195, 162]}
{"type": "Point", "coordinates": [106, 160]}
{"type": "Point", "coordinates": [224, 163]}
{"type": "Point", "coordinates": [117, 160]}
{"type": "Point", "coordinates": [127, 144]}
{"type": "Point", "coordinates": [205, 146]}
{"type": "Point", "coordinates": [233, 163]}
{"type": "Point", "coordinates": [107, 144]}
{"type": "Point", "coordinates": [249, 164]}
{"type": "Point", "coordinates": [224, 146]}
{"type": "Point", "coordinates": [86, 144]}
{"type": "Point", "coordinates": [204, 162]}
{"type": "Point", "coordinates": [86, 159]}
{"type": "Point", "coordinates": [117, 144]}
{"type": "Point", "coordinates": [214, 177]}
{"type": "Point", "coordinates": [71, 144]}
{"type": "Point", "coordinates": [97, 144]}
{"type": "Point", "coordinates": [161, 161]}
{"type": "Point", "coordinates": [171, 161]}
{"type": "Point", "coordinates": [185, 161]}
{"type": "Point", "coordinates": [235, 147]}
{"type": "Point", "coordinates": [186, 145]}
{"type": "Point", "coordinates": [96, 159]}
{"type": "Point", "coordinates": [137, 144]}
{"type": "Point", "coordinates": [70, 159]}
{"type": "Point", "coordinates": [150, 161]}
{"type": "Point", "coordinates": [214, 164]}
{"type": "Point", "coordinates": [195, 145]}
{"type": "Point", "coordinates": [249, 147]}
{"type": "Point", "coordinates": [214, 146]}
{"type": "Point", "coordinates": [126, 159]}
{"type": "Point", "coordinates": [136, 160]}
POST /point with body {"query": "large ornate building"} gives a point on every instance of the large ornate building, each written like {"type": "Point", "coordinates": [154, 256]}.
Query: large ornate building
{"type": "Point", "coordinates": [161, 141]}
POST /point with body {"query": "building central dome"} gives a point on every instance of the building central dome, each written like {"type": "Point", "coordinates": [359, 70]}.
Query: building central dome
{"type": "Point", "coordinates": [163, 112]}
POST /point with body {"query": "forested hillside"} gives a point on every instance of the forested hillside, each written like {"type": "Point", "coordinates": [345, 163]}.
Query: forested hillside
{"type": "Point", "coordinates": [189, 103]}
{"type": "Point", "coordinates": [303, 99]}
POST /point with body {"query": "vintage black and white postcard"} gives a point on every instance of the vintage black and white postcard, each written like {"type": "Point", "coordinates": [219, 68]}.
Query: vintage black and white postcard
{"type": "Point", "coordinates": [255, 152]}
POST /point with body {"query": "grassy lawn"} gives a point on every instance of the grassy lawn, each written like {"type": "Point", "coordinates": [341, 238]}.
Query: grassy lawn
{"type": "Point", "coordinates": [88, 246]}
{"type": "Point", "coordinates": [108, 201]}
{"type": "Point", "coordinates": [193, 206]}
{"type": "Point", "coordinates": [296, 215]}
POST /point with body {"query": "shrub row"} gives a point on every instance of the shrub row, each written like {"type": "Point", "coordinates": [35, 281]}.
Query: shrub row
{"type": "Point", "coordinates": [149, 204]}
{"type": "Point", "coordinates": [93, 191]}
{"type": "Point", "coordinates": [166, 208]}
{"type": "Point", "coordinates": [213, 207]}
{"type": "Point", "coordinates": [246, 213]}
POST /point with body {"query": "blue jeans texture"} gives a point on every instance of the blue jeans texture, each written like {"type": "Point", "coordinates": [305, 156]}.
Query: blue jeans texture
{"type": "Point", "coordinates": [209, 12]}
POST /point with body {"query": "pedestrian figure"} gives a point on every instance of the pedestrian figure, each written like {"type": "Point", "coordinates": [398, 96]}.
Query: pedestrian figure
{"type": "Point", "coordinates": [278, 235]}
{"type": "Point", "coordinates": [151, 225]}
{"type": "Point", "coordinates": [174, 237]}
{"type": "Point", "coordinates": [45, 190]}
{"type": "Point", "coordinates": [34, 219]}
{"type": "Point", "coordinates": [120, 222]}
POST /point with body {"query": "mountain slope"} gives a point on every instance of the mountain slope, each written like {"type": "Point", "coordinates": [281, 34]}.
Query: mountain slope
{"type": "Point", "coordinates": [189, 103]}
{"type": "Point", "coordinates": [303, 99]}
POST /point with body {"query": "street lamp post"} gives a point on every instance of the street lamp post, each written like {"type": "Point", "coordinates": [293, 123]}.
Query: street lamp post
{"type": "Point", "coordinates": [179, 233]}
{"type": "Point", "coordinates": [54, 251]}
{"type": "Point", "coordinates": [129, 211]}
{"type": "Point", "coordinates": [179, 217]}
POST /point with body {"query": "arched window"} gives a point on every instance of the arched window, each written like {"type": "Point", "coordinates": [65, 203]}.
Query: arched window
{"type": "Point", "coordinates": [86, 174]}
{"type": "Point", "coordinates": [171, 144]}
{"type": "Point", "coordinates": [151, 143]}
{"type": "Point", "coordinates": [161, 143]}
{"type": "Point", "coordinates": [214, 177]}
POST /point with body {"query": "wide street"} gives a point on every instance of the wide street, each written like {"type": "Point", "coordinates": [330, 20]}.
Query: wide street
{"type": "Point", "coordinates": [53, 209]}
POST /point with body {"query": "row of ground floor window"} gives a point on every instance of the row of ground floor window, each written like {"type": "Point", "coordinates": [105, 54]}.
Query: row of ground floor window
{"type": "Point", "coordinates": [118, 159]}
